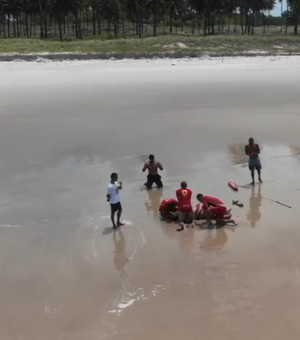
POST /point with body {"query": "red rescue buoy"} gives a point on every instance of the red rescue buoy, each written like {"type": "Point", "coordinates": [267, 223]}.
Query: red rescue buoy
{"type": "Point", "coordinates": [233, 186]}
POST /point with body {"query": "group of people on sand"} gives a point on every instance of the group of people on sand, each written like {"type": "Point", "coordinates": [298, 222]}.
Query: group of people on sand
{"type": "Point", "coordinates": [180, 209]}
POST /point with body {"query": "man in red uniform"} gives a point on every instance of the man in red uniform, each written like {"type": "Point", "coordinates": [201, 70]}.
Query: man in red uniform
{"type": "Point", "coordinates": [213, 208]}
{"type": "Point", "coordinates": [185, 212]}
{"type": "Point", "coordinates": [169, 209]}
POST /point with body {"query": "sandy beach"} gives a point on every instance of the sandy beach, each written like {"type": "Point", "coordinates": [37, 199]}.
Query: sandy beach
{"type": "Point", "coordinates": [65, 126]}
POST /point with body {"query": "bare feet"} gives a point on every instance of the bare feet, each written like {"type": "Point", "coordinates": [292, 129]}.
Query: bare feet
{"type": "Point", "coordinates": [119, 224]}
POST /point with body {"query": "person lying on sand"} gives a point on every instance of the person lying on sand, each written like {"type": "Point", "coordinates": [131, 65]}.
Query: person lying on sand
{"type": "Point", "coordinates": [153, 177]}
{"type": "Point", "coordinates": [213, 209]}
{"type": "Point", "coordinates": [169, 209]}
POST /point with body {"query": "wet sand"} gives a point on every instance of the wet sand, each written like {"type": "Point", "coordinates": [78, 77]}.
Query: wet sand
{"type": "Point", "coordinates": [64, 127]}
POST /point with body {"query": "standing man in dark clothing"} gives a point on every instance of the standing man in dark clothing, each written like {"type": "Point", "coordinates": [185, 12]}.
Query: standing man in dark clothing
{"type": "Point", "coordinates": [252, 150]}
{"type": "Point", "coordinates": [153, 177]}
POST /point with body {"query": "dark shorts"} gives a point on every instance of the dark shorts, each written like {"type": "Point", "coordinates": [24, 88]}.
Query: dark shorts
{"type": "Point", "coordinates": [254, 164]}
{"type": "Point", "coordinates": [186, 217]}
{"type": "Point", "coordinates": [116, 207]}
{"type": "Point", "coordinates": [153, 179]}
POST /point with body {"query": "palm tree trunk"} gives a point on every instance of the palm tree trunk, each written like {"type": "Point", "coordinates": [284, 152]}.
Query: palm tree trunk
{"type": "Point", "coordinates": [99, 22]}
{"type": "Point", "coordinates": [14, 27]}
{"type": "Point", "coordinates": [228, 24]}
{"type": "Point", "coordinates": [252, 24]}
{"type": "Point", "coordinates": [281, 10]}
{"type": "Point", "coordinates": [41, 19]}
{"type": "Point", "coordinates": [26, 25]}
{"type": "Point", "coordinates": [193, 24]}
{"type": "Point", "coordinates": [154, 22]}
{"type": "Point", "coordinates": [205, 25]}
{"type": "Point", "coordinates": [286, 22]}
{"type": "Point", "coordinates": [94, 21]}
{"type": "Point", "coordinates": [242, 21]}
{"type": "Point", "coordinates": [18, 26]}
{"type": "Point", "coordinates": [297, 13]}
{"type": "Point", "coordinates": [60, 28]}
{"type": "Point", "coordinates": [8, 27]}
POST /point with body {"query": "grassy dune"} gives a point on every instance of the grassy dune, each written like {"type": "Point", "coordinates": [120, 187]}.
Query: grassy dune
{"type": "Point", "coordinates": [166, 43]}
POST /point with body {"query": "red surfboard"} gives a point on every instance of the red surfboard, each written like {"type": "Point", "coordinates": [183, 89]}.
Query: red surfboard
{"type": "Point", "coordinates": [233, 186]}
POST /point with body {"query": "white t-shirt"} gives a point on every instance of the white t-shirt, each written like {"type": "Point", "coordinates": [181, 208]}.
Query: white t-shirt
{"type": "Point", "coordinates": [113, 191]}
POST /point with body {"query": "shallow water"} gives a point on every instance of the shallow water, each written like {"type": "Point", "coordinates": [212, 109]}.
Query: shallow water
{"type": "Point", "coordinates": [65, 127]}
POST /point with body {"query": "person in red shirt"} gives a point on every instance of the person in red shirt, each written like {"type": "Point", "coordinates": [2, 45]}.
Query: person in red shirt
{"type": "Point", "coordinates": [214, 208]}
{"type": "Point", "coordinates": [185, 211]}
{"type": "Point", "coordinates": [169, 209]}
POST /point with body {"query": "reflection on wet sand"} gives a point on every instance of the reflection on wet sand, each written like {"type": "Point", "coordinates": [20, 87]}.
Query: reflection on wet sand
{"type": "Point", "coordinates": [254, 214]}
{"type": "Point", "coordinates": [237, 154]}
{"type": "Point", "coordinates": [215, 239]}
{"type": "Point", "coordinates": [153, 203]}
{"type": "Point", "coordinates": [120, 259]}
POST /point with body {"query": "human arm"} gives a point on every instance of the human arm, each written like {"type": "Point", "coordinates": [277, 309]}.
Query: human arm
{"type": "Point", "coordinates": [160, 166]}
{"type": "Point", "coordinates": [120, 185]}
{"type": "Point", "coordinates": [177, 196]}
{"type": "Point", "coordinates": [205, 204]}
{"type": "Point", "coordinates": [145, 167]}
{"type": "Point", "coordinates": [246, 150]}
{"type": "Point", "coordinates": [108, 194]}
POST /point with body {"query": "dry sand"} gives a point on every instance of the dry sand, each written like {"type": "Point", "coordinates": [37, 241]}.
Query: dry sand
{"type": "Point", "coordinates": [64, 127]}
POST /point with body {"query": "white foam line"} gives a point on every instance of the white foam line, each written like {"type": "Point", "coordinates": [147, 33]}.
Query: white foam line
{"type": "Point", "coordinates": [11, 226]}
{"type": "Point", "coordinates": [95, 254]}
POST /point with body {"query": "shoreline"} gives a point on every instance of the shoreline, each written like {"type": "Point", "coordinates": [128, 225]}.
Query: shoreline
{"type": "Point", "coordinates": [72, 56]}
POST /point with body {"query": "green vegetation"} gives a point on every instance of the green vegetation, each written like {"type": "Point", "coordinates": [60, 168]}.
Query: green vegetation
{"type": "Point", "coordinates": [127, 26]}
{"type": "Point", "coordinates": [223, 43]}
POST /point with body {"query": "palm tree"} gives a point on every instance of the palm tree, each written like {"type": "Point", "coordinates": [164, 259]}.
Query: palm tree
{"type": "Point", "coordinates": [154, 6]}
{"type": "Point", "coordinates": [174, 7]}
{"type": "Point", "coordinates": [134, 9]}
{"type": "Point", "coordinates": [110, 11]}
{"type": "Point", "coordinates": [294, 6]}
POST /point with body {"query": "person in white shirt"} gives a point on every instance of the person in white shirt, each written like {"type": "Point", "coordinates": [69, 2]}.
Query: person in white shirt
{"type": "Point", "coordinates": [113, 197]}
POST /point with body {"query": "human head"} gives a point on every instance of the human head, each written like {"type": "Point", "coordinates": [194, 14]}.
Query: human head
{"type": "Point", "coordinates": [200, 197]}
{"type": "Point", "coordinates": [183, 185]}
{"type": "Point", "coordinates": [251, 141]}
{"type": "Point", "coordinates": [173, 206]}
{"type": "Point", "coordinates": [114, 177]}
{"type": "Point", "coordinates": [151, 158]}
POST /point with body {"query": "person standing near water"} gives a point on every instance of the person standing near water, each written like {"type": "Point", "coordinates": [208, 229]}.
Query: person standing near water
{"type": "Point", "coordinates": [252, 150]}
{"type": "Point", "coordinates": [113, 197]}
{"type": "Point", "coordinates": [153, 177]}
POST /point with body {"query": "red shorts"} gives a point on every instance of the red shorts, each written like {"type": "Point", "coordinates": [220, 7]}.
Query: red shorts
{"type": "Point", "coordinates": [218, 211]}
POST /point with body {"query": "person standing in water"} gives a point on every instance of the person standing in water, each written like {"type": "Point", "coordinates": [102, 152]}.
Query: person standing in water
{"type": "Point", "coordinates": [113, 197]}
{"type": "Point", "coordinates": [252, 150]}
{"type": "Point", "coordinates": [153, 177]}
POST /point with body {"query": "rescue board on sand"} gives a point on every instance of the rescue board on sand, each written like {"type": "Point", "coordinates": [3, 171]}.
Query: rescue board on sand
{"type": "Point", "coordinates": [233, 186]}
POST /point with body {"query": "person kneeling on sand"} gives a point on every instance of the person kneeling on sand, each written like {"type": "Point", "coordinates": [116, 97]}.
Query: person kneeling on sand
{"type": "Point", "coordinates": [213, 210]}
{"type": "Point", "coordinates": [153, 176]}
{"type": "Point", "coordinates": [169, 209]}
